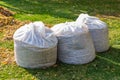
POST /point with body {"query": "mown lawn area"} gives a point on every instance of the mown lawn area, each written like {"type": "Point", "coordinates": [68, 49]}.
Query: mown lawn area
{"type": "Point", "coordinates": [106, 66]}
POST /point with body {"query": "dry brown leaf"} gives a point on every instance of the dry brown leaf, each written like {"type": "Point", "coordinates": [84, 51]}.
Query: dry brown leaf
{"type": "Point", "coordinates": [6, 56]}
{"type": "Point", "coordinates": [5, 11]}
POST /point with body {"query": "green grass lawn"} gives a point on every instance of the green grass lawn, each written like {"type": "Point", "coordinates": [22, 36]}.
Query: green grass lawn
{"type": "Point", "coordinates": [106, 66]}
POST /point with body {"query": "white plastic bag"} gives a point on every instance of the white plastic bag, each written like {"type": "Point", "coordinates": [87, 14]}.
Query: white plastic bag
{"type": "Point", "coordinates": [35, 46]}
{"type": "Point", "coordinates": [74, 43]}
{"type": "Point", "coordinates": [98, 30]}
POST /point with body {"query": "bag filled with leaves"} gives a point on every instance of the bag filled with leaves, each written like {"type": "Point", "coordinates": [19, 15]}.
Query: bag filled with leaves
{"type": "Point", "coordinates": [98, 30]}
{"type": "Point", "coordinates": [35, 46]}
{"type": "Point", "coordinates": [75, 45]}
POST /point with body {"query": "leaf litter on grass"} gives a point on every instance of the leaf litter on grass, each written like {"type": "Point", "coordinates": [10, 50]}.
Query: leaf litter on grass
{"type": "Point", "coordinates": [8, 25]}
{"type": "Point", "coordinates": [6, 17]}
{"type": "Point", "coordinates": [6, 56]}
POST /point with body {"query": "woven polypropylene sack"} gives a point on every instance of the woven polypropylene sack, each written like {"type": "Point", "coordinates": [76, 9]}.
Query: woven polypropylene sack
{"type": "Point", "coordinates": [35, 46]}
{"type": "Point", "coordinates": [98, 30]}
{"type": "Point", "coordinates": [74, 43]}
